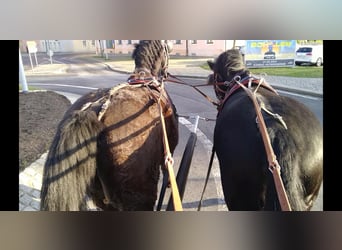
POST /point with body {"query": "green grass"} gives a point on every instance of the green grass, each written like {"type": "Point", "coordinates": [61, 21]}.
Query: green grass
{"type": "Point", "coordinates": [297, 71]}
{"type": "Point", "coordinates": [29, 88]}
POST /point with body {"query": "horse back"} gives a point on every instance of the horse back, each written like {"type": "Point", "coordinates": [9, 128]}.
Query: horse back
{"type": "Point", "coordinates": [130, 147]}
{"type": "Point", "coordinates": [243, 161]}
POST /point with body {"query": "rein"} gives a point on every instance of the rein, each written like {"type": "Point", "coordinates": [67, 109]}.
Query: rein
{"type": "Point", "coordinates": [172, 78]}
{"type": "Point", "coordinates": [169, 161]}
{"type": "Point", "coordinates": [274, 166]}
{"type": "Point", "coordinates": [153, 83]}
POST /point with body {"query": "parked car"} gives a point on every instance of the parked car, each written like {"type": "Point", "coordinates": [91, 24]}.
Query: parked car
{"type": "Point", "coordinates": [309, 54]}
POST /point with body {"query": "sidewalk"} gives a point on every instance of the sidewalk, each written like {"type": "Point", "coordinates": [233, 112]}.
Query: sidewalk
{"type": "Point", "coordinates": [30, 179]}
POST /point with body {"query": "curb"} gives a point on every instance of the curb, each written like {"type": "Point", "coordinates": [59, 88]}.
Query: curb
{"type": "Point", "coordinates": [299, 91]}
{"type": "Point", "coordinates": [56, 72]}
{"type": "Point", "coordinates": [117, 70]}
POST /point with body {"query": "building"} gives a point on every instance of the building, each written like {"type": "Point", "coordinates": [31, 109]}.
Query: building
{"type": "Point", "coordinates": [67, 46]}
{"type": "Point", "coordinates": [210, 48]}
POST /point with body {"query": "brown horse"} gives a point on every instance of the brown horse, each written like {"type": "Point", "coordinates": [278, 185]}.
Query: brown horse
{"type": "Point", "coordinates": [109, 146]}
{"type": "Point", "coordinates": [295, 135]}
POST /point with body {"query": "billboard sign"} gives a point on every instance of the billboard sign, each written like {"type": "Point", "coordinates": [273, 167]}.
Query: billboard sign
{"type": "Point", "coordinates": [270, 53]}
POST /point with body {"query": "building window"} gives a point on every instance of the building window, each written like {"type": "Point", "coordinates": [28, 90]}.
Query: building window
{"type": "Point", "coordinates": [120, 42]}
{"type": "Point", "coordinates": [110, 44]}
{"type": "Point", "coordinates": [93, 43]}
{"type": "Point", "coordinates": [193, 41]}
{"type": "Point", "coordinates": [178, 42]}
{"type": "Point", "coordinates": [129, 41]}
{"type": "Point", "coordinates": [84, 43]}
{"type": "Point", "coordinates": [210, 42]}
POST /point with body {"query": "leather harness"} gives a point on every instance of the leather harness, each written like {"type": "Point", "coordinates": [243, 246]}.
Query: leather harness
{"type": "Point", "coordinates": [274, 166]}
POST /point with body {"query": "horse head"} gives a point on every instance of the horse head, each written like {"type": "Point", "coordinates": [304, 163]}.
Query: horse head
{"type": "Point", "coordinates": [226, 67]}
{"type": "Point", "coordinates": [152, 57]}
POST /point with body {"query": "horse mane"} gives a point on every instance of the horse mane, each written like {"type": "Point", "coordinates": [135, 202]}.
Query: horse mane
{"type": "Point", "coordinates": [150, 54]}
{"type": "Point", "coordinates": [226, 66]}
{"type": "Point", "coordinates": [233, 64]}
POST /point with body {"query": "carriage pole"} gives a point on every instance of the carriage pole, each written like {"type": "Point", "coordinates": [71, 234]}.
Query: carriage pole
{"type": "Point", "coordinates": [183, 171]}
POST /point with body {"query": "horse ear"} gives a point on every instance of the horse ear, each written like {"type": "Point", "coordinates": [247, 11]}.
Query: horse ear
{"type": "Point", "coordinates": [136, 46]}
{"type": "Point", "coordinates": [211, 64]}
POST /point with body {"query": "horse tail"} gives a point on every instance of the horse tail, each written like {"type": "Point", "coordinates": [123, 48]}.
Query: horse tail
{"type": "Point", "coordinates": [70, 168]}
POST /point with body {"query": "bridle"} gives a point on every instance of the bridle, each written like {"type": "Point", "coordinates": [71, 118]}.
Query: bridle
{"type": "Point", "coordinates": [230, 87]}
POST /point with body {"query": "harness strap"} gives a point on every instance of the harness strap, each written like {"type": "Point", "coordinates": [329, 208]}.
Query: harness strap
{"type": "Point", "coordinates": [274, 166]}
{"type": "Point", "coordinates": [169, 161]}
{"type": "Point", "coordinates": [248, 81]}
{"type": "Point", "coordinates": [151, 82]}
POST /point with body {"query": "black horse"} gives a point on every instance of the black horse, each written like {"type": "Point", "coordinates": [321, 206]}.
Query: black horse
{"type": "Point", "coordinates": [109, 145]}
{"type": "Point", "coordinates": [295, 135]}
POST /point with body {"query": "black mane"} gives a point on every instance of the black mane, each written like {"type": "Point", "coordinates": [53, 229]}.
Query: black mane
{"type": "Point", "coordinates": [227, 65]}
{"type": "Point", "coordinates": [233, 65]}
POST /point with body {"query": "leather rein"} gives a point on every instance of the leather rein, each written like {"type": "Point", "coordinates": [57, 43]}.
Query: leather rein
{"type": "Point", "coordinates": [273, 164]}
{"type": "Point", "coordinates": [151, 82]}
{"type": "Point", "coordinates": [175, 79]}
